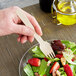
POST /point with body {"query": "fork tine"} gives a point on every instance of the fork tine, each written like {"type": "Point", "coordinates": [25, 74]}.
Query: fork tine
{"type": "Point", "coordinates": [49, 56]}
{"type": "Point", "coordinates": [44, 45]}
{"type": "Point", "coordinates": [45, 54]}
{"type": "Point", "coordinates": [53, 54]}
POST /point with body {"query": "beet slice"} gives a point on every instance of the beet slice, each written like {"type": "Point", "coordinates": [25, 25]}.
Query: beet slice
{"type": "Point", "coordinates": [57, 45]}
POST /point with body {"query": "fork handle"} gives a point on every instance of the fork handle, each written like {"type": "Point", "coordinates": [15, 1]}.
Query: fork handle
{"type": "Point", "coordinates": [26, 21]}
{"type": "Point", "coordinates": [38, 38]}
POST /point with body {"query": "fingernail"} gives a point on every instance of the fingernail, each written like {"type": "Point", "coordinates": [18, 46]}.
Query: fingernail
{"type": "Point", "coordinates": [32, 40]}
{"type": "Point", "coordinates": [24, 41]}
{"type": "Point", "coordinates": [18, 39]}
{"type": "Point", "coordinates": [41, 33]}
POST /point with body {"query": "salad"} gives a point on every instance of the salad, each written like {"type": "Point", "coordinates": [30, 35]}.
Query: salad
{"type": "Point", "coordinates": [64, 63]}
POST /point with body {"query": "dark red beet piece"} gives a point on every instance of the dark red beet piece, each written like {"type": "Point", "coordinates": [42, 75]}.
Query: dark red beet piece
{"type": "Point", "coordinates": [57, 45]}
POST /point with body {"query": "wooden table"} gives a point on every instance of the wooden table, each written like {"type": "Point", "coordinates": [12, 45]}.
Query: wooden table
{"type": "Point", "coordinates": [11, 51]}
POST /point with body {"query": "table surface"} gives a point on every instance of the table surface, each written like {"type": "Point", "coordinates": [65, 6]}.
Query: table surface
{"type": "Point", "coordinates": [11, 51]}
{"type": "Point", "coordinates": [20, 3]}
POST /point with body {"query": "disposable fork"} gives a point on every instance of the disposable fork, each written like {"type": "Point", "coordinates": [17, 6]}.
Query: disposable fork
{"type": "Point", "coordinates": [44, 45]}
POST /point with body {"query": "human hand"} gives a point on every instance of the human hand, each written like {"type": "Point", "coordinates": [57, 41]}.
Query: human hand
{"type": "Point", "coordinates": [10, 23]}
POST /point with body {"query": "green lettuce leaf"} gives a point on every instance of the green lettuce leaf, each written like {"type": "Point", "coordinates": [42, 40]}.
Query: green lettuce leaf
{"type": "Point", "coordinates": [43, 67]}
{"type": "Point", "coordinates": [73, 69]}
{"type": "Point", "coordinates": [68, 43]}
{"type": "Point", "coordinates": [74, 49]}
{"type": "Point", "coordinates": [54, 59]}
{"type": "Point", "coordinates": [37, 52]}
{"type": "Point", "coordinates": [28, 70]}
{"type": "Point", "coordinates": [35, 69]}
{"type": "Point", "coordinates": [61, 70]}
{"type": "Point", "coordinates": [47, 71]}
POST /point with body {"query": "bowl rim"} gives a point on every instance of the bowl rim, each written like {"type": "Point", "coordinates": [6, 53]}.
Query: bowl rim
{"type": "Point", "coordinates": [29, 50]}
{"type": "Point", "coordinates": [24, 55]}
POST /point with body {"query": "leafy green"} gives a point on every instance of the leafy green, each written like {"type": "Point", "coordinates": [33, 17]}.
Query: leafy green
{"type": "Point", "coordinates": [74, 49]}
{"type": "Point", "coordinates": [68, 43]}
{"type": "Point", "coordinates": [43, 67]}
{"type": "Point", "coordinates": [38, 56]}
{"type": "Point", "coordinates": [62, 71]}
{"type": "Point", "coordinates": [47, 71]}
{"type": "Point", "coordinates": [54, 59]}
{"type": "Point", "coordinates": [75, 67]}
{"type": "Point", "coordinates": [28, 70]}
{"type": "Point", "coordinates": [37, 52]}
{"type": "Point", "coordinates": [72, 68]}
{"type": "Point", "coordinates": [35, 69]}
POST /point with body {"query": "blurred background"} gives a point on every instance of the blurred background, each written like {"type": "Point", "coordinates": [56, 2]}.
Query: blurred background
{"type": "Point", "coordinates": [20, 3]}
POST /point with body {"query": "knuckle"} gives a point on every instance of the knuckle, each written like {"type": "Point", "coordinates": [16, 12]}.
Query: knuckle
{"type": "Point", "coordinates": [10, 27]}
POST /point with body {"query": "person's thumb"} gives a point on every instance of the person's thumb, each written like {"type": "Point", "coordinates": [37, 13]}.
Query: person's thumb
{"type": "Point", "coordinates": [23, 30]}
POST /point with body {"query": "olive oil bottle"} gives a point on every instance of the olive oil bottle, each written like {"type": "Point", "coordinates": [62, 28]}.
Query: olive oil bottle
{"type": "Point", "coordinates": [66, 12]}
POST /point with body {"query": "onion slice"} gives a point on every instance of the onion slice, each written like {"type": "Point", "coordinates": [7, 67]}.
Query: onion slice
{"type": "Point", "coordinates": [68, 56]}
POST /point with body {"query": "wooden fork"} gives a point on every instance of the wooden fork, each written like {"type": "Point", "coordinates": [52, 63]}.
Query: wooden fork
{"type": "Point", "coordinates": [44, 45]}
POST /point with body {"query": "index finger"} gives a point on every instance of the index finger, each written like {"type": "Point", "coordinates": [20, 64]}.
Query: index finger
{"type": "Point", "coordinates": [34, 23]}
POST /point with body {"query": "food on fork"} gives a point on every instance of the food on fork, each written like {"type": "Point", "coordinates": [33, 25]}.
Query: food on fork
{"type": "Point", "coordinates": [64, 63]}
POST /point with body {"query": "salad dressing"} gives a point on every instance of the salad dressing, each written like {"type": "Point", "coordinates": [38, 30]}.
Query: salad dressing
{"type": "Point", "coordinates": [67, 12]}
